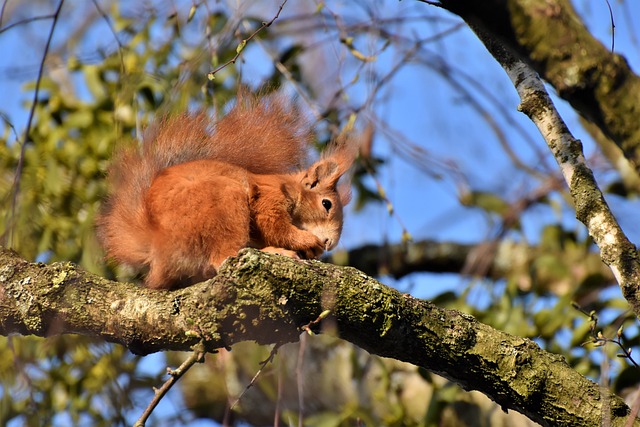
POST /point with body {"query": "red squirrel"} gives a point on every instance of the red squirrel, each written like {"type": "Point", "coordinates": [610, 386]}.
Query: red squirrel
{"type": "Point", "coordinates": [196, 192]}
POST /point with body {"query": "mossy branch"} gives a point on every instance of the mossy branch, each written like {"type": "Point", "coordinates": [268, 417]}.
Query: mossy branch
{"type": "Point", "coordinates": [592, 210]}
{"type": "Point", "coordinates": [267, 298]}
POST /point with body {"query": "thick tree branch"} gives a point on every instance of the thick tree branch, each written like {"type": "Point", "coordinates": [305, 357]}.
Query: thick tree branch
{"type": "Point", "coordinates": [552, 38]}
{"type": "Point", "coordinates": [267, 298]}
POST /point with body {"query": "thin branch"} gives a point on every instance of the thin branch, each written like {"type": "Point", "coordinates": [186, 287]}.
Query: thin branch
{"type": "Point", "coordinates": [244, 42]}
{"type": "Point", "coordinates": [598, 339]}
{"type": "Point", "coordinates": [113, 31]}
{"type": "Point", "coordinates": [613, 27]}
{"type": "Point", "coordinates": [263, 364]}
{"type": "Point", "coordinates": [36, 92]}
{"type": "Point", "coordinates": [300, 378]}
{"type": "Point", "coordinates": [581, 85]}
{"type": "Point", "coordinates": [455, 77]}
{"type": "Point", "coordinates": [432, 3]}
{"type": "Point", "coordinates": [634, 410]}
{"type": "Point", "coordinates": [6, 120]}
{"type": "Point", "coordinates": [401, 63]}
{"type": "Point", "coordinates": [174, 375]}
{"type": "Point", "coordinates": [26, 21]}
{"type": "Point", "coordinates": [2, 9]}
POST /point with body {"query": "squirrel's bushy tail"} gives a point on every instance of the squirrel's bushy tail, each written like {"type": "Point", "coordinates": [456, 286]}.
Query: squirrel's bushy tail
{"type": "Point", "coordinates": [265, 135]}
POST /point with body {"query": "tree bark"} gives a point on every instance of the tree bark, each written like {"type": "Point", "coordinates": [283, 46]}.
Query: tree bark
{"type": "Point", "coordinates": [267, 298]}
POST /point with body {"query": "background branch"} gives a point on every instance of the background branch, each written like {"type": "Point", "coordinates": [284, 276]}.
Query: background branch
{"type": "Point", "coordinates": [506, 259]}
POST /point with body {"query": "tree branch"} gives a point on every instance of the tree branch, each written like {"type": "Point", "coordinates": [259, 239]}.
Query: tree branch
{"type": "Point", "coordinates": [267, 298]}
{"type": "Point", "coordinates": [504, 259]}
{"type": "Point", "coordinates": [591, 209]}
{"type": "Point", "coordinates": [174, 375]}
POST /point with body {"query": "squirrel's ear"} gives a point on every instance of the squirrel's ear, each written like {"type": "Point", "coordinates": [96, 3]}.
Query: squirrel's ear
{"type": "Point", "coordinates": [324, 172]}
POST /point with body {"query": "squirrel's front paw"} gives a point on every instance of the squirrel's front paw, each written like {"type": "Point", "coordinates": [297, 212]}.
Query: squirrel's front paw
{"type": "Point", "coordinates": [311, 247]}
{"type": "Point", "coordinates": [281, 251]}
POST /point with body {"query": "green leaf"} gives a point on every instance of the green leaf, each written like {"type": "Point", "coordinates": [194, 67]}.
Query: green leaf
{"type": "Point", "coordinates": [489, 202]}
{"type": "Point", "coordinates": [241, 46]}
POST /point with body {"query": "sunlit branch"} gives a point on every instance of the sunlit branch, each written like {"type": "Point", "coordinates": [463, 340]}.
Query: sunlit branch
{"type": "Point", "coordinates": [591, 208]}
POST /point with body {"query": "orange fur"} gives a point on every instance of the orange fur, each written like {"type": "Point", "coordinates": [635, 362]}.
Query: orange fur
{"type": "Point", "coordinates": [197, 192]}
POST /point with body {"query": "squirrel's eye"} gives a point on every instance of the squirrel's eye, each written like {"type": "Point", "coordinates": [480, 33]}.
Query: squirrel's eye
{"type": "Point", "coordinates": [327, 204]}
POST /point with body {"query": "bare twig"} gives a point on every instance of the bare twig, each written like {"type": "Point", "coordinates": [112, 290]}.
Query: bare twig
{"type": "Point", "coordinates": [613, 27]}
{"type": "Point", "coordinates": [455, 77]}
{"type": "Point", "coordinates": [432, 3]}
{"type": "Point", "coordinates": [480, 260]}
{"type": "Point", "coordinates": [299, 365]}
{"type": "Point", "coordinates": [26, 21]}
{"type": "Point", "coordinates": [174, 375]}
{"type": "Point", "coordinates": [2, 9]}
{"type": "Point", "coordinates": [243, 43]}
{"type": "Point", "coordinates": [263, 364]}
{"type": "Point", "coordinates": [5, 119]}
{"type": "Point", "coordinates": [113, 31]}
{"type": "Point", "coordinates": [599, 339]}
{"type": "Point", "coordinates": [277, 411]}
{"type": "Point", "coordinates": [36, 92]}
{"type": "Point", "coordinates": [307, 327]}
{"type": "Point", "coordinates": [294, 83]}
{"type": "Point", "coordinates": [299, 376]}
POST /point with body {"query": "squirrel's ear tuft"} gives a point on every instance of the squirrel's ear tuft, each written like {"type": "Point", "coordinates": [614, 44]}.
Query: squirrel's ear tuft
{"type": "Point", "coordinates": [344, 191]}
{"type": "Point", "coordinates": [324, 172]}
